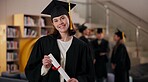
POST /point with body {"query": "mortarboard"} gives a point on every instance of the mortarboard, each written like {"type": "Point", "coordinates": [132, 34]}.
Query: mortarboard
{"type": "Point", "coordinates": [57, 8]}
{"type": "Point", "coordinates": [82, 28]}
{"type": "Point", "coordinates": [99, 30]}
{"type": "Point", "coordinates": [120, 34]}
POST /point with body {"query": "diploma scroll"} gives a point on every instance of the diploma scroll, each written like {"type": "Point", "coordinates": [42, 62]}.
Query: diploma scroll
{"type": "Point", "coordinates": [60, 69]}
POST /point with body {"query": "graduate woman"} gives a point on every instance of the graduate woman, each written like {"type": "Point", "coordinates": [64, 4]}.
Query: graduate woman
{"type": "Point", "coordinates": [120, 59]}
{"type": "Point", "coordinates": [72, 54]}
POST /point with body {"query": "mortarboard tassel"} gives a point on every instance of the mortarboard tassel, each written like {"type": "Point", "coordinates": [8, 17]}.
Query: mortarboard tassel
{"type": "Point", "coordinates": [71, 28]}
{"type": "Point", "coordinates": [123, 36]}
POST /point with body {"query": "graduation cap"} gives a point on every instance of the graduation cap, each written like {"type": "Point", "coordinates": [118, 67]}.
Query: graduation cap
{"type": "Point", "coordinates": [82, 28]}
{"type": "Point", "coordinates": [99, 30]}
{"type": "Point", "coordinates": [57, 8]}
{"type": "Point", "coordinates": [120, 34]}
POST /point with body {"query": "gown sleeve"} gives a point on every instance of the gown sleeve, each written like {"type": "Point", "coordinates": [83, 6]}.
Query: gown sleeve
{"type": "Point", "coordinates": [44, 70]}
{"type": "Point", "coordinates": [87, 69]}
{"type": "Point", "coordinates": [34, 64]}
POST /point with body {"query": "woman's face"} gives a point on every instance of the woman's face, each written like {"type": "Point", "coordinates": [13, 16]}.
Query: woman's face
{"type": "Point", "coordinates": [87, 32]}
{"type": "Point", "coordinates": [116, 38]}
{"type": "Point", "coordinates": [61, 23]}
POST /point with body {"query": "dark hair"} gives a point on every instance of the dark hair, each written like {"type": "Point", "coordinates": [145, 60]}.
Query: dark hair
{"type": "Point", "coordinates": [119, 35]}
{"type": "Point", "coordinates": [56, 33]}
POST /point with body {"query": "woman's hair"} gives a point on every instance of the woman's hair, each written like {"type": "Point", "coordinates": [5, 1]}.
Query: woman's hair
{"type": "Point", "coordinates": [56, 33]}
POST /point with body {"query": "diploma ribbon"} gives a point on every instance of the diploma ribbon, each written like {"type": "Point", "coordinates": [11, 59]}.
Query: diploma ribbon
{"type": "Point", "coordinates": [54, 68]}
{"type": "Point", "coordinates": [58, 67]}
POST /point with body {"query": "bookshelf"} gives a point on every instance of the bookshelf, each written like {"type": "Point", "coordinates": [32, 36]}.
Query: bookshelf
{"type": "Point", "coordinates": [9, 52]}
{"type": "Point", "coordinates": [16, 41]}
{"type": "Point", "coordinates": [28, 25]}
{"type": "Point", "coordinates": [46, 25]}
{"type": "Point", "coordinates": [31, 27]}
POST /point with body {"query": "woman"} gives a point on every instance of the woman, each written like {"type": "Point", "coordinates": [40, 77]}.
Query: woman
{"type": "Point", "coordinates": [85, 37]}
{"type": "Point", "coordinates": [120, 59]}
{"type": "Point", "coordinates": [72, 54]}
{"type": "Point", "coordinates": [85, 33]}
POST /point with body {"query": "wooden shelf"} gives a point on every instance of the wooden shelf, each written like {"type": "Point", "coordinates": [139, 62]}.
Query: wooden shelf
{"type": "Point", "coordinates": [29, 37]}
{"type": "Point", "coordinates": [13, 37]}
{"type": "Point", "coordinates": [10, 49]}
{"type": "Point", "coordinates": [47, 27]}
{"type": "Point", "coordinates": [12, 60]}
{"type": "Point", "coordinates": [31, 26]}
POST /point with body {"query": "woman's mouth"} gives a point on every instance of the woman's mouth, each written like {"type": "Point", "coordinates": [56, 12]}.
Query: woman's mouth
{"type": "Point", "coordinates": [62, 26]}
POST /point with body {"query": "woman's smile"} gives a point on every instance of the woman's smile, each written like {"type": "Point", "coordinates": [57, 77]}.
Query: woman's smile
{"type": "Point", "coordinates": [62, 26]}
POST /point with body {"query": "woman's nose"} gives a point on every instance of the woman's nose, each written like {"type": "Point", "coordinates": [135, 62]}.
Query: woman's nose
{"type": "Point", "coordinates": [60, 22]}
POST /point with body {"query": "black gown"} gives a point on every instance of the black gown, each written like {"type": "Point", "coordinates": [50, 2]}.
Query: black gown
{"type": "Point", "coordinates": [78, 61]}
{"type": "Point", "coordinates": [101, 60]}
{"type": "Point", "coordinates": [84, 39]}
{"type": "Point", "coordinates": [121, 59]}
{"type": "Point", "coordinates": [89, 44]}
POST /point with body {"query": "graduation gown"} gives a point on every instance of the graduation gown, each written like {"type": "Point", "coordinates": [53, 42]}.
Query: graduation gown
{"type": "Point", "coordinates": [78, 61]}
{"type": "Point", "coordinates": [89, 44]}
{"type": "Point", "coordinates": [84, 39]}
{"type": "Point", "coordinates": [121, 59]}
{"type": "Point", "coordinates": [101, 60]}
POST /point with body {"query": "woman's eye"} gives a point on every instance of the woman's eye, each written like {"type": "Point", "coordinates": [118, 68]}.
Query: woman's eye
{"type": "Point", "coordinates": [63, 17]}
{"type": "Point", "coordinates": [55, 20]}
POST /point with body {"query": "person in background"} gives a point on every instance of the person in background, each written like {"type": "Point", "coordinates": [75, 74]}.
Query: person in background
{"type": "Point", "coordinates": [85, 33]}
{"type": "Point", "coordinates": [120, 59]}
{"type": "Point", "coordinates": [101, 51]}
{"type": "Point", "coordinates": [85, 37]}
{"type": "Point", "coordinates": [71, 53]}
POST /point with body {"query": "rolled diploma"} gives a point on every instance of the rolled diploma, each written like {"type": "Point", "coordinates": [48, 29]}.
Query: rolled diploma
{"type": "Point", "coordinates": [60, 70]}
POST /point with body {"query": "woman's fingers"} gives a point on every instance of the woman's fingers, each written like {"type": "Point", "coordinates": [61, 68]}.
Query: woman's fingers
{"type": "Point", "coordinates": [72, 80]}
{"type": "Point", "coordinates": [46, 61]}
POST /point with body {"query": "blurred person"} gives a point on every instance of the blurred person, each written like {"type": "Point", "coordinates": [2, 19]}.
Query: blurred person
{"type": "Point", "coordinates": [85, 37]}
{"type": "Point", "coordinates": [101, 51]}
{"type": "Point", "coordinates": [85, 33]}
{"type": "Point", "coordinates": [120, 59]}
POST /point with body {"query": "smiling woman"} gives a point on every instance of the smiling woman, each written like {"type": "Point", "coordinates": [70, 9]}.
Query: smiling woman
{"type": "Point", "coordinates": [72, 54]}
{"type": "Point", "coordinates": [61, 23]}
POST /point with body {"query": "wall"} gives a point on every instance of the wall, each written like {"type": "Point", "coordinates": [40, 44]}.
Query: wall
{"type": "Point", "coordinates": [81, 8]}
{"type": "Point", "coordinates": [10, 7]}
{"type": "Point", "coordinates": [98, 17]}
{"type": "Point", "coordinates": [2, 12]}
{"type": "Point", "coordinates": [138, 7]}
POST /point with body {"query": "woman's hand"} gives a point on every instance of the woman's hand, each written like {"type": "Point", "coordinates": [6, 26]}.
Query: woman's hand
{"type": "Point", "coordinates": [72, 80]}
{"type": "Point", "coordinates": [47, 62]}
